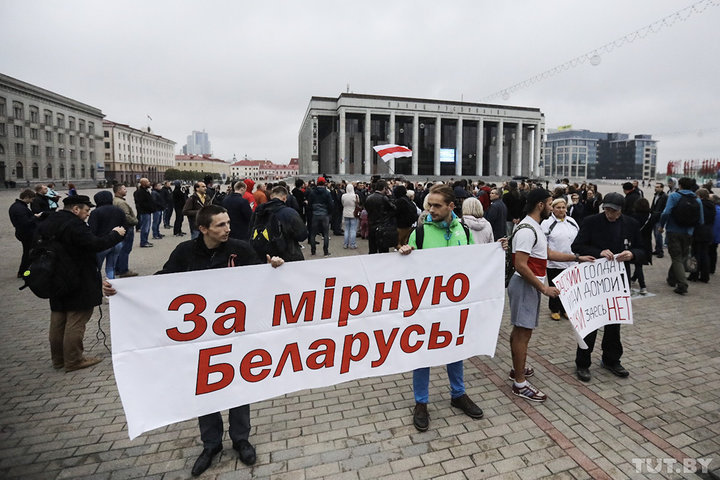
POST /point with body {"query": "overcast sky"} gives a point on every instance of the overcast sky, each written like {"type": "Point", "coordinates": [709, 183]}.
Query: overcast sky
{"type": "Point", "coordinates": [245, 71]}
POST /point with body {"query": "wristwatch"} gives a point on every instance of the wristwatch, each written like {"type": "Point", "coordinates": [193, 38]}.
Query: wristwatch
{"type": "Point", "coordinates": [577, 258]}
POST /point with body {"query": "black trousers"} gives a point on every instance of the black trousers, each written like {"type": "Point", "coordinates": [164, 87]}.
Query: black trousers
{"type": "Point", "coordinates": [554, 303]}
{"type": "Point", "coordinates": [611, 347]}
{"type": "Point", "coordinates": [211, 426]}
{"type": "Point", "coordinates": [177, 227]}
{"type": "Point", "coordinates": [375, 241]}
{"type": "Point", "coordinates": [25, 260]}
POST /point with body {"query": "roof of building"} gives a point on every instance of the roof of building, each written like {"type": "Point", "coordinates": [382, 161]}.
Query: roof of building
{"type": "Point", "coordinates": [198, 158]}
{"type": "Point", "coordinates": [109, 123]}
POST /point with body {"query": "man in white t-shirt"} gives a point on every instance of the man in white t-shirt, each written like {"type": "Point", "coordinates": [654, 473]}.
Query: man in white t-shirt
{"type": "Point", "coordinates": [530, 255]}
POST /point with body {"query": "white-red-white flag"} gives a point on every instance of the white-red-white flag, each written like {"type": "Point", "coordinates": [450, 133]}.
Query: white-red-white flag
{"type": "Point", "coordinates": [391, 150]}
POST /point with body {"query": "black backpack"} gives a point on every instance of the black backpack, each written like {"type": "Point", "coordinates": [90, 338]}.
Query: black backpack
{"type": "Point", "coordinates": [686, 211]}
{"type": "Point", "coordinates": [267, 236]}
{"type": "Point", "coordinates": [51, 272]}
{"type": "Point", "coordinates": [509, 265]}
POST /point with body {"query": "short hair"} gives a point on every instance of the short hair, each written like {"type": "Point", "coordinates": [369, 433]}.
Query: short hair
{"type": "Point", "coordinates": [299, 182]}
{"type": "Point", "coordinates": [703, 193]}
{"type": "Point", "coordinates": [472, 206]}
{"type": "Point", "coordinates": [39, 187]}
{"type": "Point", "coordinates": [685, 183]}
{"type": "Point", "coordinates": [660, 184]}
{"type": "Point", "coordinates": [380, 184]}
{"type": "Point", "coordinates": [628, 186]}
{"type": "Point", "coordinates": [641, 205]}
{"type": "Point", "coordinates": [117, 187]}
{"type": "Point", "coordinates": [445, 190]}
{"type": "Point", "coordinates": [278, 191]}
{"type": "Point", "coordinates": [557, 201]}
{"type": "Point", "coordinates": [204, 216]}
{"type": "Point", "coordinates": [239, 186]}
{"type": "Point", "coordinates": [27, 193]}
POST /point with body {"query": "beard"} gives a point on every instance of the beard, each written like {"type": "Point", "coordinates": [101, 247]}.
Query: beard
{"type": "Point", "coordinates": [544, 215]}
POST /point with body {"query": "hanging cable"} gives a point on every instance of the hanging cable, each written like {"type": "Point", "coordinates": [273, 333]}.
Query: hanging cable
{"type": "Point", "coordinates": [594, 57]}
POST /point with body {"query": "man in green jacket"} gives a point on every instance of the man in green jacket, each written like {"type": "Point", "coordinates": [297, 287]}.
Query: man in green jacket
{"type": "Point", "coordinates": [441, 228]}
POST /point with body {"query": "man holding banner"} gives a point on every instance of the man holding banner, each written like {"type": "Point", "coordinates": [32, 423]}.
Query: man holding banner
{"type": "Point", "coordinates": [441, 228]}
{"type": "Point", "coordinates": [613, 236]}
{"type": "Point", "coordinates": [215, 249]}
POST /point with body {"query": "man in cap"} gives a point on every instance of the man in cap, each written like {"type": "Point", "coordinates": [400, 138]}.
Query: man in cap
{"type": "Point", "coordinates": [613, 236]}
{"type": "Point", "coordinates": [530, 254]}
{"type": "Point", "coordinates": [71, 311]}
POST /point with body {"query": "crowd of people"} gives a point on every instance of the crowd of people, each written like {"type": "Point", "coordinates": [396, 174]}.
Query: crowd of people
{"type": "Point", "coordinates": [245, 223]}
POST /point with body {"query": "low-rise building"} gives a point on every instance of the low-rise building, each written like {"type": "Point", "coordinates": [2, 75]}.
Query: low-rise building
{"type": "Point", "coordinates": [131, 154]}
{"type": "Point", "coordinates": [203, 163]}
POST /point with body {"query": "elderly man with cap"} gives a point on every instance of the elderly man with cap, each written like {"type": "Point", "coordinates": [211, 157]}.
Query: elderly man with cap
{"type": "Point", "coordinates": [71, 311]}
{"type": "Point", "coordinates": [614, 236]}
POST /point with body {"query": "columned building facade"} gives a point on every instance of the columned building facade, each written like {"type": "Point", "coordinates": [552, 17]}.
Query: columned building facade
{"type": "Point", "coordinates": [131, 154]}
{"type": "Point", "coordinates": [45, 137]}
{"type": "Point", "coordinates": [449, 138]}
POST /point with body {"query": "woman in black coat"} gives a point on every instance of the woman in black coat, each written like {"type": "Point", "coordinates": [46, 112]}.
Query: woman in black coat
{"type": "Point", "coordinates": [644, 218]}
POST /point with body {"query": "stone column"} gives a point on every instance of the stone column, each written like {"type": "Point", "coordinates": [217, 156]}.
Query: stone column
{"type": "Point", "coordinates": [518, 149]}
{"type": "Point", "coordinates": [458, 146]}
{"type": "Point", "coordinates": [479, 159]}
{"type": "Point", "coordinates": [342, 161]}
{"type": "Point", "coordinates": [436, 164]}
{"type": "Point", "coordinates": [499, 158]}
{"type": "Point", "coordinates": [391, 139]}
{"type": "Point", "coordinates": [538, 147]}
{"type": "Point", "coordinates": [368, 151]}
{"type": "Point", "coordinates": [415, 143]}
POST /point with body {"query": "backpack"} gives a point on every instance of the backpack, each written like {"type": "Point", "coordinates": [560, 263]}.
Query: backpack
{"type": "Point", "coordinates": [420, 234]}
{"type": "Point", "coordinates": [51, 272]}
{"type": "Point", "coordinates": [509, 265]}
{"type": "Point", "coordinates": [267, 236]}
{"type": "Point", "coordinates": [686, 212]}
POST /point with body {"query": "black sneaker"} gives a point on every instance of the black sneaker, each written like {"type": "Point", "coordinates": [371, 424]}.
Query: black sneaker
{"type": "Point", "coordinates": [680, 290]}
{"type": "Point", "coordinates": [617, 369]}
{"type": "Point", "coordinates": [464, 403]}
{"type": "Point", "coordinates": [583, 374]}
{"type": "Point", "coordinates": [421, 418]}
{"type": "Point", "coordinates": [246, 452]}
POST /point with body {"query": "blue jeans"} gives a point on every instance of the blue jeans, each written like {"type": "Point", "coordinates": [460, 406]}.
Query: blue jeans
{"type": "Point", "coordinates": [658, 238]}
{"type": "Point", "coordinates": [167, 213]}
{"type": "Point", "coordinates": [110, 257]}
{"type": "Point", "coordinates": [122, 262]}
{"type": "Point", "coordinates": [144, 219]}
{"type": "Point", "coordinates": [351, 225]}
{"type": "Point", "coordinates": [321, 225]}
{"type": "Point", "coordinates": [156, 218]}
{"type": "Point", "coordinates": [421, 381]}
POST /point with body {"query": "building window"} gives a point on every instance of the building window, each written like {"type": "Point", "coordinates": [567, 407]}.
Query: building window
{"type": "Point", "coordinates": [82, 171]}
{"type": "Point", "coordinates": [62, 171]}
{"type": "Point", "coordinates": [91, 128]}
{"type": "Point", "coordinates": [18, 110]}
{"type": "Point", "coordinates": [106, 134]}
{"type": "Point", "coordinates": [3, 132]}
{"type": "Point", "coordinates": [61, 152]}
{"type": "Point", "coordinates": [71, 123]}
{"type": "Point", "coordinates": [35, 170]}
{"type": "Point", "coordinates": [82, 154]}
{"type": "Point", "coordinates": [91, 143]}
{"type": "Point", "coordinates": [34, 133]}
{"type": "Point", "coordinates": [19, 169]}
{"type": "Point", "coordinates": [72, 139]}
{"type": "Point", "coordinates": [82, 141]}
{"type": "Point", "coordinates": [61, 120]}
{"type": "Point", "coordinates": [92, 157]}
{"type": "Point", "coordinates": [72, 170]}
{"type": "Point", "coordinates": [2, 106]}
{"type": "Point", "coordinates": [48, 135]}
{"type": "Point", "coordinates": [107, 155]}
{"type": "Point", "coordinates": [35, 150]}
{"type": "Point", "coordinates": [48, 170]}
{"type": "Point", "coordinates": [73, 154]}
{"type": "Point", "coordinates": [49, 152]}
{"type": "Point", "coordinates": [61, 138]}
{"type": "Point", "coordinates": [81, 125]}
{"type": "Point", "coordinates": [19, 149]}
{"type": "Point", "coordinates": [107, 144]}
{"type": "Point", "coordinates": [48, 117]}
{"type": "Point", "coordinates": [19, 131]}
{"type": "Point", "coordinates": [34, 114]}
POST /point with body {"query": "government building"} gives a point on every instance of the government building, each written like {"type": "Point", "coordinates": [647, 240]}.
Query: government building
{"type": "Point", "coordinates": [131, 154]}
{"type": "Point", "coordinates": [447, 138]}
{"type": "Point", "coordinates": [45, 137]}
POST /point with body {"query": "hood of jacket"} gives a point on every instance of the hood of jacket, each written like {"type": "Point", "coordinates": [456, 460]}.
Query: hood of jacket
{"type": "Point", "coordinates": [475, 223]}
{"type": "Point", "coordinates": [104, 197]}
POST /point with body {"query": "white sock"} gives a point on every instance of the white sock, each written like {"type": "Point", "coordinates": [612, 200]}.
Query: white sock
{"type": "Point", "coordinates": [521, 385]}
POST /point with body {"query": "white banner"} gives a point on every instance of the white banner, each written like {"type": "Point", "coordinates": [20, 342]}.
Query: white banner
{"type": "Point", "coordinates": [193, 343]}
{"type": "Point", "coordinates": [595, 294]}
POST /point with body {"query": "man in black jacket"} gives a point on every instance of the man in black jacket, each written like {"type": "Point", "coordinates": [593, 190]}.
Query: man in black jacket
{"type": "Point", "coordinates": [24, 221]}
{"type": "Point", "coordinates": [145, 208]}
{"type": "Point", "coordinates": [291, 226]}
{"type": "Point", "coordinates": [615, 236]}
{"type": "Point", "coordinates": [70, 312]}
{"type": "Point", "coordinates": [215, 249]}
{"type": "Point", "coordinates": [382, 219]}
{"type": "Point", "coordinates": [168, 200]}
{"type": "Point", "coordinates": [321, 206]}
{"type": "Point", "coordinates": [239, 211]}
{"type": "Point", "coordinates": [658, 205]}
